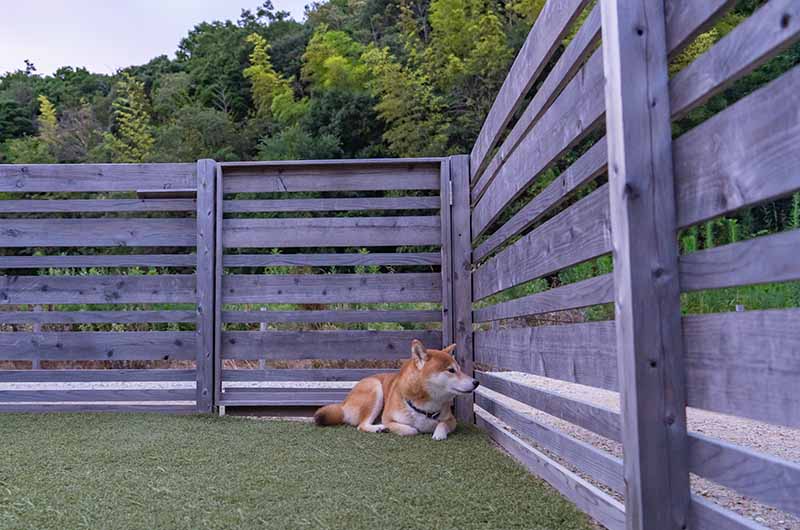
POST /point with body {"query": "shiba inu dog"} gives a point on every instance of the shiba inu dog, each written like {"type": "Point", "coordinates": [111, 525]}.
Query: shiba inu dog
{"type": "Point", "coordinates": [416, 399]}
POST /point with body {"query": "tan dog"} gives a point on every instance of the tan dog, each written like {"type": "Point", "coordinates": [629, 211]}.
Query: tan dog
{"type": "Point", "coordinates": [416, 399]}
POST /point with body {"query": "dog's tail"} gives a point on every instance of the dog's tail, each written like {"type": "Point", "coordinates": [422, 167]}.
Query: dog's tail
{"type": "Point", "coordinates": [329, 415]}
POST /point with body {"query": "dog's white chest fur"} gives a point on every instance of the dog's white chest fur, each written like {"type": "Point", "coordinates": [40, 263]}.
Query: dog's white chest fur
{"type": "Point", "coordinates": [423, 423]}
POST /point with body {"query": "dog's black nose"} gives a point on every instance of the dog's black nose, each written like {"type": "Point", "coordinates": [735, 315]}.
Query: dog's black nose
{"type": "Point", "coordinates": [475, 383]}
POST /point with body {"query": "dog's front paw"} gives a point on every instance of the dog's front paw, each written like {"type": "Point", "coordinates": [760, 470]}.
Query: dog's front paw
{"type": "Point", "coordinates": [440, 433]}
{"type": "Point", "coordinates": [381, 428]}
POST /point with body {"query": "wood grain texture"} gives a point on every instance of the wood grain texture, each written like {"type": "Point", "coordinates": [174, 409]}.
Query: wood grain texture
{"type": "Point", "coordinates": [332, 232]}
{"type": "Point", "coordinates": [352, 345]}
{"type": "Point", "coordinates": [578, 353]}
{"type": "Point", "coordinates": [74, 396]}
{"type": "Point", "coordinates": [95, 376]}
{"type": "Point", "coordinates": [686, 19]}
{"type": "Point", "coordinates": [97, 289]}
{"type": "Point", "coordinates": [746, 154]}
{"type": "Point", "coordinates": [206, 219]}
{"type": "Point", "coordinates": [331, 205]}
{"type": "Point", "coordinates": [97, 205]}
{"type": "Point", "coordinates": [116, 232]}
{"type": "Point", "coordinates": [339, 177]}
{"type": "Point", "coordinates": [283, 397]}
{"type": "Point", "coordinates": [95, 317]}
{"type": "Point", "coordinates": [328, 260]}
{"type": "Point", "coordinates": [218, 275]}
{"type": "Point", "coordinates": [646, 290]}
{"type": "Point", "coordinates": [599, 465]}
{"type": "Point", "coordinates": [594, 418]}
{"type": "Point", "coordinates": [597, 290]}
{"type": "Point", "coordinates": [105, 260]}
{"type": "Point", "coordinates": [579, 48]}
{"type": "Point", "coordinates": [767, 32]}
{"type": "Point", "coordinates": [98, 345]}
{"type": "Point", "coordinates": [447, 251]}
{"type": "Point", "coordinates": [581, 172]}
{"type": "Point", "coordinates": [302, 374]}
{"type": "Point", "coordinates": [708, 515]}
{"type": "Point", "coordinates": [589, 499]}
{"type": "Point", "coordinates": [97, 407]}
{"type": "Point", "coordinates": [745, 364]}
{"type": "Point", "coordinates": [550, 28]}
{"type": "Point", "coordinates": [760, 260]}
{"type": "Point", "coordinates": [331, 288]}
{"type": "Point", "coordinates": [576, 112]}
{"type": "Point", "coordinates": [333, 315]}
{"type": "Point", "coordinates": [575, 235]}
{"type": "Point", "coordinates": [95, 177]}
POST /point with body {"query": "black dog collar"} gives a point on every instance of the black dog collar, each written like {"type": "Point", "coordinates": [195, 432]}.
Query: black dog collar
{"type": "Point", "coordinates": [430, 415]}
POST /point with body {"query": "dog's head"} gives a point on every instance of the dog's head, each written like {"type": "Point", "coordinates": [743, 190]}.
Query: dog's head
{"type": "Point", "coordinates": [440, 372]}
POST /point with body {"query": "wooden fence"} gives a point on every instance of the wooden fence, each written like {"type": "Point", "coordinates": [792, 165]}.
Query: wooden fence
{"type": "Point", "coordinates": [545, 207]}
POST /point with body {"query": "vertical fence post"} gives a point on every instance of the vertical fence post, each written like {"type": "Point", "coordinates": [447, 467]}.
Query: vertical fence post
{"type": "Point", "coordinates": [206, 200]}
{"type": "Point", "coordinates": [647, 294]}
{"type": "Point", "coordinates": [461, 263]}
{"type": "Point", "coordinates": [447, 253]}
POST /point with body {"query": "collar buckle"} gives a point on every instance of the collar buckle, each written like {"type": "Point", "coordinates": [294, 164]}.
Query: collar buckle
{"type": "Point", "coordinates": [429, 415]}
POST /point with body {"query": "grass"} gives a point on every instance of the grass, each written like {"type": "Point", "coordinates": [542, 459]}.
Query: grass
{"type": "Point", "coordinates": [150, 471]}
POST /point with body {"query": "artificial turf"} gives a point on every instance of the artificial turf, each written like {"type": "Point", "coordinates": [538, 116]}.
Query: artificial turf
{"type": "Point", "coordinates": [149, 471]}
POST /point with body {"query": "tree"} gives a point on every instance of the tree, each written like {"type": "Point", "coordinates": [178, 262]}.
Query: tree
{"type": "Point", "coordinates": [48, 122]}
{"type": "Point", "coordinates": [294, 143]}
{"type": "Point", "coordinates": [333, 61]}
{"type": "Point", "coordinates": [132, 140]}
{"type": "Point", "coordinates": [265, 83]}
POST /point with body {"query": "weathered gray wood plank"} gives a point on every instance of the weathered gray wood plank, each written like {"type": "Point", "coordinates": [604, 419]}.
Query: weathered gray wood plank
{"type": "Point", "coordinates": [95, 376]}
{"type": "Point", "coordinates": [99, 345]}
{"type": "Point", "coordinates": [97, 407]}
{"type": "Point", "coordinates": [600, 506]}
{"type": "Point", "coordinates": [576, 112]}
{"type": "Point", "coordinates": [770, 30]}
{"type": "Point", "coordinates": [352, 345]}
{"type": "Point", "coordinates": [340, 315]}
{"type": "Point", "coordinates": [582, 171]}
{"type": "Point", "coordinates": [218, 275]}
{"type": "Point", "coordinates": [97, 289]}
{"type": "Point", "coordinates": [581, 45]}
{"type": "Point", "coordinates": [760, 260]}
{"type": "Point", "coordinates": [744, 155]}
{"type": "Point", "coordinates": [97, 205]}
{"type": "Point", "coordinates": [112, 232]}
{"type": "Point", "coordinates": [575, 235]}
{"type": "Point", "coordinates": [686, 19]}
{"type": "Point", "coordinates": [138, 394]}
{"type": "Point", "coordinates": [285, 398]}
{"type": "Point", "coordinates": [95, 177]}
{"type": "Point", "coordinates": [745, 364]}
{"type": "Point", "coordinates": [599, 465]}
{"type": "Point", "coordinates": [578, 353]}
{"type": "Point", "coordinates": [550, 28]}
{"type": "Point", "coordinates": [98, 317]}
{"type": "Point", "coordinates": [206, 219]}
{"type": "Point", "coordinates": [105, 260]}
{"type": "Point", "coordinates": [301, 374]}
{"type": "Point", "coordinates": [327, 260]}
{"type": "Point", "coordinates": [597, 290]}
{"type": "Point", "coordinates": [332, 232]}
{"type": "Point", "coordinates": [332, 163]}
{"type": "Point", "coordinates": [331, 288]}
{"type": "Point", "coordinates": [646, 290]}
{"type": "Point", "coordinates": [447, 251]}
{"type": "Point", "coordinates": [708, 515]}
{"type": "Point", "coordinates": [332, 205]}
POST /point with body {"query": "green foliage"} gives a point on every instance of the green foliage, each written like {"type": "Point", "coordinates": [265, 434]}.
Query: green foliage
{"type": "Point", "coordinates": [29, 150]}
{"type": "Point", "coordinates": [132, 139]}
{"type": "Point", "coordinates": [294, 143]}
{"type": "Point", "coordinates": [265, 82]}
{"type": "Point", "coordinates": [333, 61]}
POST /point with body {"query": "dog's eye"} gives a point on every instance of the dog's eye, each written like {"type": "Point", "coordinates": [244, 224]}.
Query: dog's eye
{"type": "Point", "coordinates": [451, 370]}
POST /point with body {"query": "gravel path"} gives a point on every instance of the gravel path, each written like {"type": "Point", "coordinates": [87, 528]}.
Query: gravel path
{"type": "Point", "coordinates": [770, 439]}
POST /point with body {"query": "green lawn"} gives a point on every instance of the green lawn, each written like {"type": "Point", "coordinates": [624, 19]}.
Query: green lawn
{"type": "Point", "coordinates": [149, 471]}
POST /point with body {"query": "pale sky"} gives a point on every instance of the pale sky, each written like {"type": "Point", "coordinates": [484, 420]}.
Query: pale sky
{"type": "Point", "coordinates": [105, 35]}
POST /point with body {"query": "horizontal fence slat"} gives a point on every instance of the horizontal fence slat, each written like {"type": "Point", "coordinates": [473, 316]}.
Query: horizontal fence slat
{"type": "Point", "coordinates": [86, 317]}
{"type": "Point", "coordinates": [332, 232]}
{"type": "Point", "coordinates": [746, 154]}
{"type": "Point", "coordinates": [578, 353]}
{"type": "Point", "coordinates": [589, 499]}
{"type": "Point", "coordinates": [97, 205]}
{"type": "Point", "coordinates": [593, 418]}
{"type": "Point", "coordinates": [95, 177]}
{"type": "Point", "coordinates": [327, 260]}
{"type": "Point", "coordinates": [771, 29]}
{"type": "Point", "coordinates": [708, 515]}
{"type": "Point", "coordinates": [597, 290]}
{"type": "Point", "coordinates": [98, 407]}
{"type": "Point", "coordinates": [283, 397]}
{"type": "Point", "coordinates": [764, 259]}
{"type": "Point", "coordinates": [745, 364]}
{"type": "Point", "coordinates": [161, 394]}
{"type": "Point", "coordinates": [97, 289]}
{"type": "Point", "coordinates": [330, 316]}
{"type": "Point", "coordinates": [550, 28]}
{"type": "Point", "coordinates": [332, 205]}
{"type": "Point", "coordinates": [98, 345]}
{"type": "Point", "coordinates": [339, 177]}
{"type": "Point", "coordinates": [331, 288]}
{"type": "Point", "coordinates": [580, 233]}
{"type": "Point", "coordinates": [686, 19]}
{"type": "Point", "coordinates": [762, 477]}
{"type": "Point", "coordinates": [301, 374]}
{"type": "Point", "coordinates": [590, 165]}
{"type": "Point", "coordinates": [571, 118]}
{"type": "Point", "coordinates": [113, 232]}
{"type": "Point", "coordinates": [330, 163]}
{"type": "Point", "coordinates": [599, 465]}
{"type": "Point", "coordinates": [92, 376]}
{"type": "Point", "coordinates": [107, 260]}
{"type": "Point", "coordinates": [340, 345]}
{"type": "Point", "coordinates": [570, 61]}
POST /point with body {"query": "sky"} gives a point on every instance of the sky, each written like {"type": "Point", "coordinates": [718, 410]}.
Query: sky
{"type": "Point", "coordinates": [105, 35]}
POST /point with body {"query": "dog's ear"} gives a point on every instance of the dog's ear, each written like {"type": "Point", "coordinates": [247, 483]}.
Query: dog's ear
{"type": "Point", "coordinates": [451, 350]}
{"type": "Point", "coordinates": [418, 353]}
